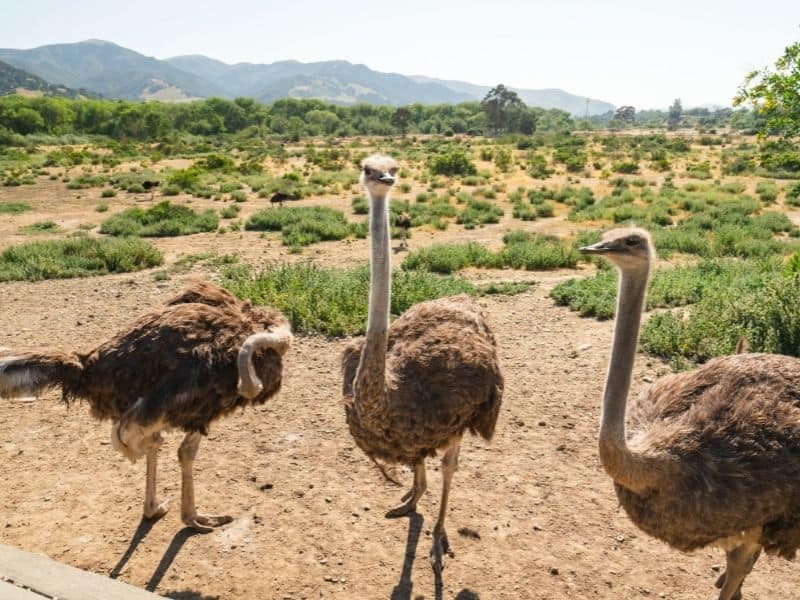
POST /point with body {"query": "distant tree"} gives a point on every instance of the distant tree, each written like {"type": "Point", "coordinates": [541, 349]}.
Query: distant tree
{"type": "Point", "coordinates": [401, 119]}
{"type": "Point", "coordinates": [624, 115]}
{"type": "Point", "coordinates": [501, 104]}
{"type": "Point", "coordinates": [674, 115]}
{"type": "Point", "coordinates": [775, 94]}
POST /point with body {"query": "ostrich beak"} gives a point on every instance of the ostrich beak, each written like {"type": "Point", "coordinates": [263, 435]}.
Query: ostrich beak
{"type": "Point", "coordinates": [598, 248]}
{"type": "Point", "coordinates": [386, 178]}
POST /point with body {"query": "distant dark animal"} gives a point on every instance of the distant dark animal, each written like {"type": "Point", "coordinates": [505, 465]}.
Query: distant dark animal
{"type": "Point", "coordinates": [278, 198]}
{"type": "Point", "coordinates": [150, 186]}
{"type": "Point", "coordinates": [183, 366]}
{"type": "Point", "coordinates": [403, 223]}
{"type": "Point", "coordinates": [416, 387]}
{"type": "Point", "coordinates": [713, 458]}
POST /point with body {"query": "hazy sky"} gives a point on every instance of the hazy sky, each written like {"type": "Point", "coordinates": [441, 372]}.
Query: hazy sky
{"type": "Point", "coordinates": [627, 52]}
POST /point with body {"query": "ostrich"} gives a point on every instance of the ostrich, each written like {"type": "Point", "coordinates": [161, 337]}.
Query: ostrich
{"type": "Point", "coordinates": [150, 186]}
{"type": "Point", "coordinates": [183, 366]}
{"type": "Point", "coordinates": [415, 387]}
{"type": "Point", "coordinates": [713, 458]}
{"type": "Point", "coordinates": [278, 198]}
{"type": "Point", "coordinates": [403, 222]}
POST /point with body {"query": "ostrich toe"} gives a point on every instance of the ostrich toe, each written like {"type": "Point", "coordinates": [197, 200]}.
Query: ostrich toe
{"type": "Point", "coordinates": [156, 510]}
{"type": "Point", "coordinates": [441, 546]}
{"type": "Point", "coordinates": [207, 523]}
{"type": "Point", "coordinates": [407, 507]}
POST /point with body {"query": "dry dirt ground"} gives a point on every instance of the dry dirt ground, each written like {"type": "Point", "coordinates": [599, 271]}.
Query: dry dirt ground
{"type": "Point", "coordinates": [308, 505]}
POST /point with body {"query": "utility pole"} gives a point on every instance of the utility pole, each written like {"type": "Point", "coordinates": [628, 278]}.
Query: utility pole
{"type": "Point", "coordinates": [586, 116]}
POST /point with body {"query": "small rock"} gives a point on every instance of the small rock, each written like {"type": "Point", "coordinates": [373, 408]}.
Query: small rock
{"type": "Point", "coordinates": [553, 571]}
{"type": "Point", "coordinates": [716, 568]}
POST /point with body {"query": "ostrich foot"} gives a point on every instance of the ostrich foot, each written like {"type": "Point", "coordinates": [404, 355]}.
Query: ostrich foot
{"type": "Point", "coordinates": [155, 510]}
{"type": "Point", "coordinates": [721, 582]}
{"type": "Point", "coordinates": [409, 506]}
{"type": "Point", "coordinates": [441, 546]}
{"type": "Point", "coordinates": [206, 523]}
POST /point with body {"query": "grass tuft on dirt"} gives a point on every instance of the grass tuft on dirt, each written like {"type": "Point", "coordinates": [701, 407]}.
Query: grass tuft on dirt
{"type": "Point", "coordinates": [305, 225]}
{"type": "Point", "coordinates": [13, 208]}
{"type": "Point", "coordinates": [76, 257]}
{"type": "Point", "coordinates": [162, 220]}
{"type": "Point", "coordinates": [334, 301]}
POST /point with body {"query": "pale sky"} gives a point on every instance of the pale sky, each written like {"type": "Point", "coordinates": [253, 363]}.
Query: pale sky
{"type": "Point", "coordinates": [626, 52]}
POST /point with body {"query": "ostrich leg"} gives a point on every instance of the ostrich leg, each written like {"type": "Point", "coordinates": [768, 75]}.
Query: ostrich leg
{"type": "Point", "coordinates": [186, 455]}
{"type": "Point", "coordinates": [152, 508]}
{"type": "Point", "coordinates": [413, 495]}
{"type": "Point", "coordinates": [441, 545]}
{"type": "Point", "coordinates": [740, 562]}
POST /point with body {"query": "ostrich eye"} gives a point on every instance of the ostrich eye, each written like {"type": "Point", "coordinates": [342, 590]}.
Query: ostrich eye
{"type": "Point", "coordinates": [631, 242]}
{"type": "Point", "coordinates": [367, 171]}
{"type": "Point", "coordinates": [393, 171]}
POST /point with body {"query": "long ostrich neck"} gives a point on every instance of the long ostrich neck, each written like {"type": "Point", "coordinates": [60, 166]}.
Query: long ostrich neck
{"type": "Point", "coordinates": [630, 469]}
{"type": "Point", "coordinates": [370, 380]}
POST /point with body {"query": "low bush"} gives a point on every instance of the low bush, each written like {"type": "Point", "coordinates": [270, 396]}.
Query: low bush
{"type": "Point", "coordinates": [76, 257]}
{"type": "Point", "coordinates": [162, 220]}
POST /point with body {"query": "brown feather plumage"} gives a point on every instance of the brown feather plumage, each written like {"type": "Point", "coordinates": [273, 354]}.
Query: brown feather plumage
{"type": "Point", "coordinates": [180, 359]}
{"type": "Point", "coordinates": [442, 379]}
{"type": "Point", "coordinates": [732, 428]}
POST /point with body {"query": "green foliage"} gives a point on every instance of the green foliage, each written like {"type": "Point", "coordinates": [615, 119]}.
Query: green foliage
{"type": "Point", "coordinates": [479, 212]}
{"type": "Point", "coordinates": [76, 257]}
{"type": "Point", "coordinates": [360, 205]}
{"type": "Point", "coordinates": [449, 258]}
{"type": "Point", "coordinates": [230, 212]}
{"type": "Point", "coordinates": [452, 162]}
{"type": "Point", "coordinates": [763, 309]}
{"type": "Point", "coordinates": [40, 227]}
{"type": "Point", "coordinates": [522, 250]}
{"type": "Point", "coordinates": [334, 301]}
{"type": "Point", "coordinates": [14, 208]}
{"type": "Point", "coordinates": [162, 220]}
{"type": "Point", "coordinates": [305, 225]}
{"type": "Point", "coordinates": [775, 94]}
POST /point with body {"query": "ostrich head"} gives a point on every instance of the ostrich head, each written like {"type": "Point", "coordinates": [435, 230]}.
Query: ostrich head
{"type": "Point", "coordinates": [630, 248]}
{"type": "Point", "coordinates": [378, 174]}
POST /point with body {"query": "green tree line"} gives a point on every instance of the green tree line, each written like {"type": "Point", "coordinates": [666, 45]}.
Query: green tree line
{"type": "Point", "coordinates": [290, 118]}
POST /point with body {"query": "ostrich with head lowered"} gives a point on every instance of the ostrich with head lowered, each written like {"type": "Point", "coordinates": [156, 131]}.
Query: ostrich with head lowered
{"type": "Point", "coordinates": [198, 358]}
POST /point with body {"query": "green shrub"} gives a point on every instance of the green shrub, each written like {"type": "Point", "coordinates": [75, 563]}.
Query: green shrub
{"type": "Point", "coordinates": [449, 258]}
{"type": "Point", "coordinates": [627, 167]}
{"type": "Point", "coordinates": [13, 208]}
{"type": "Point", "coordinates": [108, 193]}
{"type": "Point", "coordinates": [334, 301]}
{"type": "Point", "coordinates": [360, 205]}
{"type": "Point", "coordinates": [305, 225]}
{"type": "Point", "coordinates": [452, 162]}
{"type": "Point", "coordinates": [40, 227]}
{"type": "Point", "coordinates": [767, 191]}
{"type": "Point", "coordinates": [479, 212]}
{"type": "Point", "coordinates": [230, 212]}
{"type": "Point", "coordinates": [534, 252]}
{"type": "Point", "coordinates": [162, 220]}
{"type": "Point", "coordinates": [76, 257]}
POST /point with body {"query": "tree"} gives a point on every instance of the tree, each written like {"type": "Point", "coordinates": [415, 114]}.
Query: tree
{"type": "Point", "coordinates": [775, 94]}
{"type": "Point", "coordinates": [500, 105]}
{"type": "Point", "coordinates": [674, 115]}
{"type": "Point", "coordinates": [624, 115]}
{"type": "Point", "coordinates": [401, 119]}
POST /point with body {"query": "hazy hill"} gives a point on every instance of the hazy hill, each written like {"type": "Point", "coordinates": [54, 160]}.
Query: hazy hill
{"type": "Point", "coordinates": [546, 98]}
{"type": "Point", "coordinates": [118, 72]}
{"type": "Point", "coordinates": [109, 69]}
{"type": "Point", "coordinates": [18, 81]}
{"type": "Point", "coordinates": [335, 81]}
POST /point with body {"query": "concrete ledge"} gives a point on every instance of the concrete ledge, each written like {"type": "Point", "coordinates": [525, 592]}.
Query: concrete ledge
{"type": "Point", "coordinates": [52, 579]}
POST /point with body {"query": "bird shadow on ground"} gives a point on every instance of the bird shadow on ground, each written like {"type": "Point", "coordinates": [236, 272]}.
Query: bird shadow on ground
{"type": "Point", "coordinates": [402, 591]}
{"type": "Point", "coordinates": [145, 525]}
{"type": "Point", "coordinates": [189, 595]}
{"type": "Point", "coordinates": [169, 556]}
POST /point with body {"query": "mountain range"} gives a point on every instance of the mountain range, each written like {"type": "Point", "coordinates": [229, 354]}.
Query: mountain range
{"type": "Point", "coordinates": [18, 81]}
{"type": "Point", "coordinates": [117, 72]}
